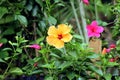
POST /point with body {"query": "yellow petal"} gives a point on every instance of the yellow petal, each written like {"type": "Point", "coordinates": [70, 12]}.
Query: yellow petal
{"type": "Point", "coordinates": [59, 44]}
{"type": "Point", "coordinates": [63, 28]}
{"type": "Point", "coordinates": [51, 40]}
{"type": "Point", "coordinates": [52, 31]}
{"type": "Point", "coordinates": [66, 37]}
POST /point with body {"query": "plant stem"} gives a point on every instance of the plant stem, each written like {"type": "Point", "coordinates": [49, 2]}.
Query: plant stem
{"type": "Point", "coordinates": [82, 13]}
{"type": "Point", "coordinates": [4, 75]}
{"type": "Point", "coordinates": [77, 20]}
{"type": "Point", "coordinates": [96, 11]}
{"type": "Point", "coordinates": [35, 37]}
{"type": "Point", "coordinates": [64, 50]}
{"type": "Point", "coordinates": [46, 61]}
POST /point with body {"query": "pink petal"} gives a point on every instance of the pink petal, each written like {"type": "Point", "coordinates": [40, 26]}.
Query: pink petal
{"type": "Point", "coordinates": [99, 29]}
{"type": "Point", "coordinates": [97, 35]}
{"type": "Point", "coordinates": [108, 50]}
{"type": "Point", "coordinates": [94, 23]}
{"type": "Point", "coordinates": [90, 34]}
{"type": "Point", "coordinates": [86, 2]}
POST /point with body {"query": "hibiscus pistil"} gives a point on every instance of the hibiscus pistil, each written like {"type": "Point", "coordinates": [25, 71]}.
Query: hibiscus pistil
{"type": "Point", "coordinates": [60, 36]}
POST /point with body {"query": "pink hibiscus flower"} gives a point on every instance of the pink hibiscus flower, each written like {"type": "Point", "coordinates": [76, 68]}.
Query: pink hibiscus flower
{"type": "Point", "coordinates": [94, 30]}
{"type": "Point", "coordinates": [35, 46]}
{"type": "Point", "coordinates": [86, 2]}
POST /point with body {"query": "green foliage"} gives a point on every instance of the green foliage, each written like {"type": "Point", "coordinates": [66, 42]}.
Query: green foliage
{"type": "Point", "coordinates": [116, 12]}
{"type": "Point", "coordinates": [25, 22]}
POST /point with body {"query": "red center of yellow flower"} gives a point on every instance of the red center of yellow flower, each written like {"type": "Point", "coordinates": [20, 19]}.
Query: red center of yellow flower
{"type": "Point", "coordinates": [60, 36]}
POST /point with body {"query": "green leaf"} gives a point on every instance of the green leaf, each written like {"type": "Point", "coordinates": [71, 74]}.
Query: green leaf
{"type": "Point", "coordinates": [3, 54]}
{"type": "Point", "coordinates": [93, 55]}
{"type": "Point", "coordinates": [39, 40]}
{"type": "Point", "coordinates": [49, 66]}
{"type": "Point", "coordinates": [49, 78]}
{"type": "Point", "coordinates": [1, 77]}
{"type": "Point", "coordinates": [107, 76]}
{"type": "Point", "coordinates": [2, 60]}
{"type": "Point", "coordinates": [52, 20]}
{"type": "Point", "coordinates": [96, 69]}
{"type": "Point", "coordinates": [3, 40]}
{"type": "Point", "coordinates": [43, 51]}
{"type": "Point", "coordinates": [80, 78]}
{"type": "Point", "coordinates": [35, 11]}
{"type": "Point", "coordinates": [35, 72]}
{"type": "Point", "coordinates": [16, 71]}
{"type": "Point", "coordinates": [7, 49]}
{"type": "Point", "coordinates": [3, 11]}
{"type": "Point", "coordinates": [77, 36]}
{"type": "Point", "coordinates": [9, 31]}
{"type": "Point", "coordinates": [73, 55]}
{"type": "Point", "coordinates": [55, 55]}
{"type": "Point", "coordinates": [7, 19]}
{"type": "Point", "coordinates": [15, 44]}
{"type": "Point", "coordinates": [19, 50]}
{"type": "Point", "coordinates": [65, 64]}
{"type": "Point", "coordinates": [110, 64]}
{"type": "Point", "coordinates": [22, 19]}
{"type": "Point", "coordinates": [40, 2]}
{"type": "Point", "coordinates": [23, 41]}
{"type": "Point", "coordinates": [29, 7]}
{"type": "Point", "coordinates": [36, 59]}
{"type": "Point", "coordinates": [71, 75]}
{"type": "Point", "coordinates": [31, 61]}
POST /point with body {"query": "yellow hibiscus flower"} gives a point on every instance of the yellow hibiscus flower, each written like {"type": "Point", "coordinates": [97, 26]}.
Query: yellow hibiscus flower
{"type": "Point", "coordinates": [57, 36]}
